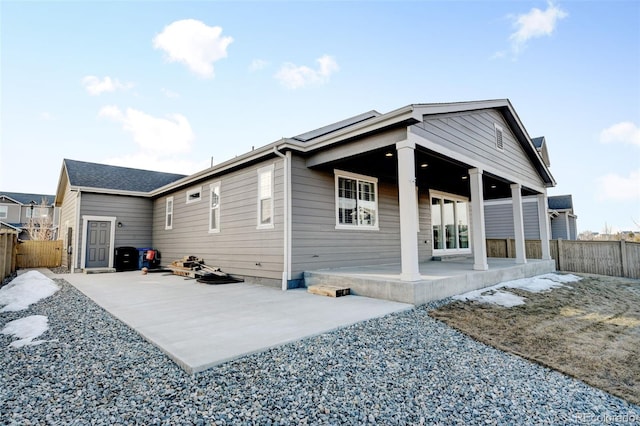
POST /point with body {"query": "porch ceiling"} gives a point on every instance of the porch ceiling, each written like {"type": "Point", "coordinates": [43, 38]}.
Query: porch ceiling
{"type": "Point", "coordinates": [433, 171]}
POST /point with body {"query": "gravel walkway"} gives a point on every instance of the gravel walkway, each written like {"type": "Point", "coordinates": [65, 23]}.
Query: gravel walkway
{"type": "Point", "coordinates": [404, 368]}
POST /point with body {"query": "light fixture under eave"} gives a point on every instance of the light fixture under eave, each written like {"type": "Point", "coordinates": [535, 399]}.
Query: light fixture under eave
{"type": "Point", "coordinates": [119, 224]}
{"type": "Point", "coordinates": [493, 187]}
{"type": "Point", "coordinates": [388, 154]}
{"type": "Point", "coordinates": [465, 177]}
{"type": "Point", "coordinates": [424, 165]}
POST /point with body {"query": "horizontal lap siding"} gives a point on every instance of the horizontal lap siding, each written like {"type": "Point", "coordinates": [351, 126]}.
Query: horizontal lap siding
{"type": "Point", "coordinates": [473, 134]}
{"type": "Point", "coordinates": [239, 246]}
{"type": "Point", "coordinates": [67, 219]}
{"type": "Point", "coordinates": [135, 214]}
{"type": "Point", "coordinates": [498, 219]}
{"type": "Point", "coordinates": [316, 244]}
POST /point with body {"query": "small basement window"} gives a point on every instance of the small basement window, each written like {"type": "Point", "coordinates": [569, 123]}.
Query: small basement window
{"type": "Point", "coordinates": [194, 195]}
{"type": "Point", "coordinates": [499, 137]}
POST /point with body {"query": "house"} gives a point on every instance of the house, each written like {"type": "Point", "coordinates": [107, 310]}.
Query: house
{"type": "Point", "coordinates": [96, 200]}
{"type": "Point", "coordinates": [21, 211]}
{"type": "Point", "coordinates": [563, 218]}
{"type": "Point", "coordinates": [400, 187]}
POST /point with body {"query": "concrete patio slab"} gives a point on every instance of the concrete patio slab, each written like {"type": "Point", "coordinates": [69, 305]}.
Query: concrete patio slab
{"type": "Point", "coordinates": [200, 325]}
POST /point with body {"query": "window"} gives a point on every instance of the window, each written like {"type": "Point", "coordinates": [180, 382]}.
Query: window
{"type": "Point", "coordinates": [4, 212]}
{"type": "Point", "coordinates": [193, 195]}
{"type": "Point", "coordinates": [168, 221]}
{"type": "Point", "coordinates": [450, 223]}
{"type": "Point", "coordinates": [214, 212]}
{"type": "Point", "coordinates": [265, 197]}
{"type": "Point", "coordinates": [36, 212]}
{"type": "Point", "coordinates": [356, 201]}
{"type": "Point", "coordinates": [499, 138]}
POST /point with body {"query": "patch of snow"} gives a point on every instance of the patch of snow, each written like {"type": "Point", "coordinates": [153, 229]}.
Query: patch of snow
{"type": "Point", "coordinates": [25, 290]}
{"type": "Point", "coordinates": [26, 329]}
{"type": "Point", "coordinates": [535, 284]}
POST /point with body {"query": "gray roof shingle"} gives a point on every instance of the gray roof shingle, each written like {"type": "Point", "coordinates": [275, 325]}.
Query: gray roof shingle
{"type": "Point", "coordinates": [560, 202]}
{"type": "Point", "coordinates": [24, 198]}
{"type": "Point", "coordinates": [102, 176]}
{"type": "Point", "coordinates": [306, 137]}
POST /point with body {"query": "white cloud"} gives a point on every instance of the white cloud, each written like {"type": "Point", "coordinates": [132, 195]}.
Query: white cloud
{"type": "Point", "coordinates": [293, 76]}
{"type": "Point", "coordinates": [257, 65]}
{"type": "Point", "coordinates": [619, 188]}
{"type": "Point", "coordinates": [193, 43]}
{"type": "Point", "coordinates": [46, 116]}
{"type": "Point", "coordinates": [170, 93]}
{"type": "Point", "coordinates": [95, 86]}
{"type": "Point", "coordinates": [169, 135]}
{"type": "Point", "coordinates": [625, 132]}
{"type": "Point", "coordinates": [154, 161]}
{"type": "Point", "coordinates": [534, 24]}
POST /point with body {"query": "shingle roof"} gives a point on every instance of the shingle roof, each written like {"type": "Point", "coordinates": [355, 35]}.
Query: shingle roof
{"type": "Point", "coordinates": [23, 198]}
{"type": "Point", "coordinates": [102, 176]}
{"type": "Point", "coordinates": [305, 137]}
{"type": "Point", "coordinates": [560, 202]}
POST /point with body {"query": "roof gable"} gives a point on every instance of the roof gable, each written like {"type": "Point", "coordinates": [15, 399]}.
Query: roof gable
{"type": "Point", "coordinates": [24, 198]}
{"type": "Point", "coordinates": [102, 176]}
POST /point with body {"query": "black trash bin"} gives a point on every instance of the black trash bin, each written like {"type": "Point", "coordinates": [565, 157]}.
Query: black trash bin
{"type": "Point", "coordinates": [126, 259]}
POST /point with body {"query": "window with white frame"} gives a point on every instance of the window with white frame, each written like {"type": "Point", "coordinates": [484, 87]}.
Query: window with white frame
{"type": "Point", "coordinates": [37, 212]}
{"type": "Point", "coordinates": [356, 201]}
{"type": "Point", "coordinates": [265, 197]}
{"type": "Point", "coordinates": [214, 207]}
{"type": "Point", "coordinates": [194, 195]}
{"type": "Point", "coordinates": [4, 212]}
{"type": "Point", "coordinates": [450, 223]}
{"type": "Point", "coordinates": [168, 221]}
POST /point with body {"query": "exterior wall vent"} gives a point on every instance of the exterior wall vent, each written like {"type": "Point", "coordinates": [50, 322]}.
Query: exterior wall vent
{"type": "Point", "coordinates": [499, 138]}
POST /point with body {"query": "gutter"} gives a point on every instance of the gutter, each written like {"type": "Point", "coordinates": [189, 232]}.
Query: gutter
{"type": "Point", "coordinates": [286, 205]}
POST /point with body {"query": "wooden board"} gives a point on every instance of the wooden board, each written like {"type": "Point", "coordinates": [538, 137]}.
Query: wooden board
{"type": "Point", "coordinates": [329, 290]}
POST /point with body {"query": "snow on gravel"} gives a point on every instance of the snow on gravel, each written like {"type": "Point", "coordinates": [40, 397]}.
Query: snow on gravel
{"type": "Point", "coordinates": [26, 329]}
{"type": "Point", "coordinates": [25, 290]}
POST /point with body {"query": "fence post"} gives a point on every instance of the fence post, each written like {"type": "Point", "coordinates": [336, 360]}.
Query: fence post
{"type": "Point", "coordinates": [623, 256]}
{"type": "Point", "coordinates": [4, 250]}
{"type": "Point", "coordinates": [509, 253]}
{"type": "Point", "coordinates": [560, 255]}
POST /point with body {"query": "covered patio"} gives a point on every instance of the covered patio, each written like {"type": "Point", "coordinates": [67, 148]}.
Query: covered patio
{"type": "Point", "coordinates": [438, 279]}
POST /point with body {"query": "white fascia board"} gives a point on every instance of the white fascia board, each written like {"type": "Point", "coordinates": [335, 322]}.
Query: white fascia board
{"type": "Point", "coordinates": [11, 199]}
{"type": "Point", "coordinates": [108, 191]}
{"type": "Point", "coordinates": [472, 161]}
{"type": "Point", "coordinates": [498, 201]}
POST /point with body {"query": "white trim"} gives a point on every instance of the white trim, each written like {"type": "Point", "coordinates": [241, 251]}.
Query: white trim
{"type": "Point", "coordinates": [518, 223]}
{"type": "Point", "coordinates": [212, 187]}
{"type": "Point", "coordinates": [348, 175]}
{"type": "Point", "coordinates": [286, 201]}
{"type": "Point", "coordinates": [266, 169]}
{"type": "Point", "coordinates": [192, 192]}
{"type": "Point", "coordinates": [478, 235]}
{"type": "Point", "coordinates": [426, 143]}
{"type": "Point", "coordinates": [112, 237]}
{"type": "Point", "coordinates": [498, 201]}
{"type": "Point", "coordinates": [168, 225]}
{"type": "Point", "coordinates": [456, 198]}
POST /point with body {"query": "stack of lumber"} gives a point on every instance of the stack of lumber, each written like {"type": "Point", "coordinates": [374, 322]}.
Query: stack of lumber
{"type": "Point", "coordinates": [192, 267]}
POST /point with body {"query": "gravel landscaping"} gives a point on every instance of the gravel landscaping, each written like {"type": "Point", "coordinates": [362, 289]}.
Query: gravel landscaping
{"type": "Point", "coordinates": [405, 368]}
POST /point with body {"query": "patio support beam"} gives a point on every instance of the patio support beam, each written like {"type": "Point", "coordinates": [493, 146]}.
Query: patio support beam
{"type": "Point", "coordinates": [518, 222]}
{"type": "Point", "coordinates": [543, 222]}
{"type": "Point", "coordinates": [408, 211]}
{"type": "Point", "coordinates": [477, 220]}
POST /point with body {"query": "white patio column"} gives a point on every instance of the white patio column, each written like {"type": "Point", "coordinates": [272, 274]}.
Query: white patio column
{"type": "Point", "coordinates": [543, 222]}
{"type": "Point", "coordinates": [408, 211]}
{"type": "Point", "coordinates": [477, 221]}
{"type": "Point", "coordinates": [518, 222]}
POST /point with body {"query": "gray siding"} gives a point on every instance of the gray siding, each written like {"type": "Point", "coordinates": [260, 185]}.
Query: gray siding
{"type": "Point", "coordinates": [68, 221]}
{"type": "Point", "coordinates": [473, 135]}
{"type": "Point", "coordinates": [135, 213]}
{"type": "Point", "coordinates": [573, 230]}
{"type": "Point", "coordinates": [316, 244]}
{"type": "Point", "coordinates": [13, 212]}
{"type": "Point", "coordinates": [559, 227]}
{"type": "Point", "coordinates": [239, 248]}
{"type": "Point", "coordinates": [498, 219]}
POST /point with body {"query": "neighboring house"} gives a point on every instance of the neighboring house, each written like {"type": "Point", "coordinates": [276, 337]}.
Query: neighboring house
{"type": "Point", "coordinates": [98, 199]}
{"type": "Point", "coordinates": [17, 209]}
{"type": "Point", "coordinates": [400, 187]}
{"type": "Point", "coordinates": [563, 219]}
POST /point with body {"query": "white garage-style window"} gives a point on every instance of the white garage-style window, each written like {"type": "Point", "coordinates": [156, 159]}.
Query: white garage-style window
{"type": "Point", "coordinates": [356, 201]}
{"type": "Point", "coordinates": [168, 219]}
{"type": "Point", "coordinates": [450, 223]}
{"type": "Point", "coordinates": [265, 197]}
{"type": "Point", "coordinates": [214, 212]}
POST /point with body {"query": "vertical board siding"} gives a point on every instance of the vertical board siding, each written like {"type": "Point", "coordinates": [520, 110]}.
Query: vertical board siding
{"type": "Point", "coordinates": [39, 254]}
{"type": "Point", "coordinates": [238, 248]}
{"type": "Point", "coordinates": [317, 244]}
{"type": "Point", "coordinates": [473, 134]}
{"type": "Point", "coordinates": [8, 252]}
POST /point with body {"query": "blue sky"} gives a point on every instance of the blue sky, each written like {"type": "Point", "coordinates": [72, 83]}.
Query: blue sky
{"type": "Point", "coordinates": [169, 85]}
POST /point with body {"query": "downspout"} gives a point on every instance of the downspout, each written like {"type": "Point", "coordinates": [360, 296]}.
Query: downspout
{"type": "Point", "coordinates": [74, 246]}
{"type": "Point", "coordinates": [286, 272]}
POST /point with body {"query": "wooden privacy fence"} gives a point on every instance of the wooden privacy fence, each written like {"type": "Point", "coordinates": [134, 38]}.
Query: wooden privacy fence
{"type": "Point", "coordinates": [8, 243]}
{"type": "Point", "coordinates": [39, 254]}
{"type": "Point", "coordinates": [613, 258]}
